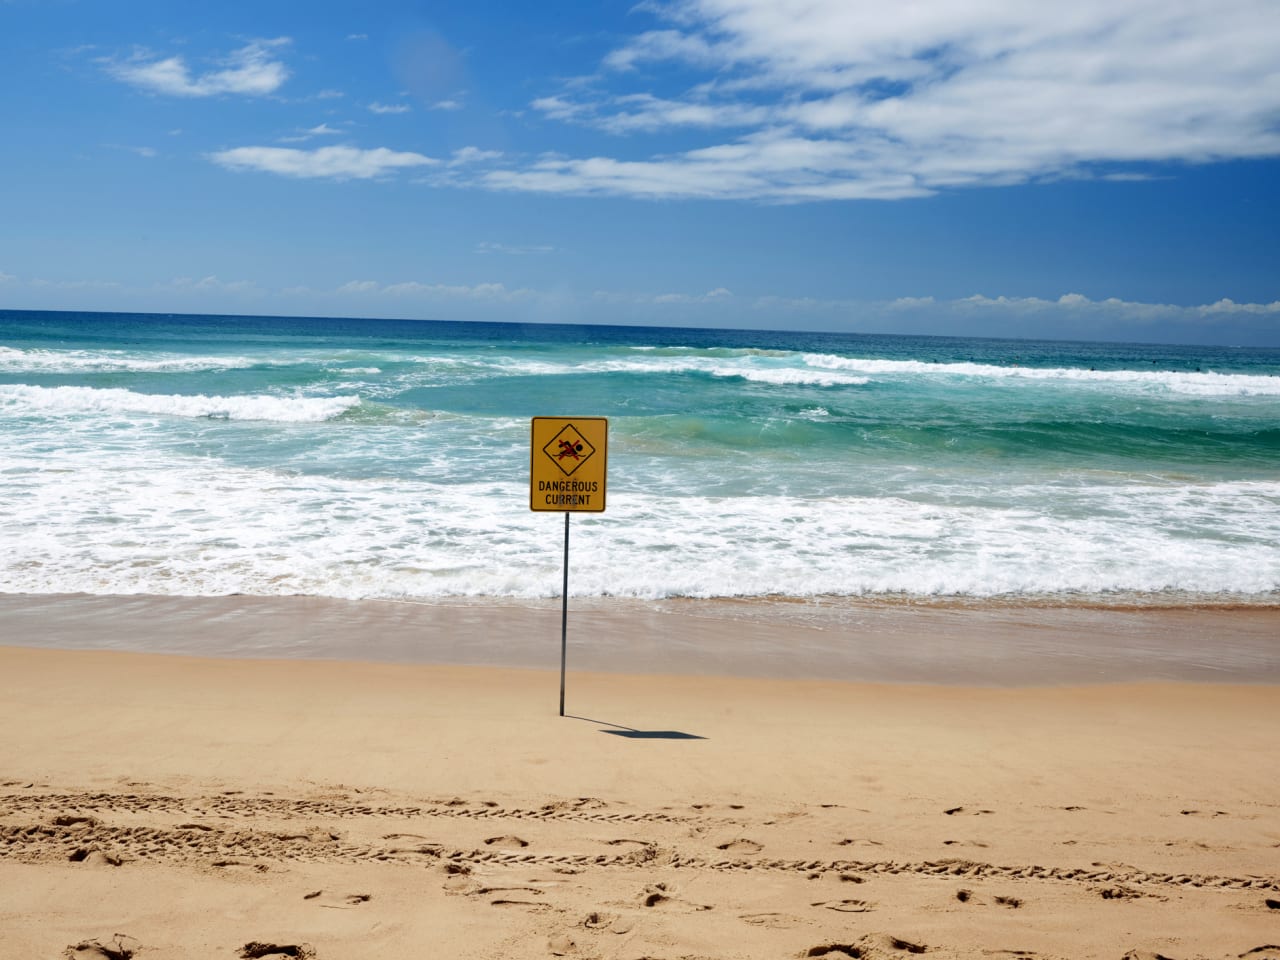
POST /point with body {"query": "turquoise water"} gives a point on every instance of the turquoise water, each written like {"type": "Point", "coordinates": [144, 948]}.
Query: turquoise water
{"type": "Point", "coordinates": [361, 458]}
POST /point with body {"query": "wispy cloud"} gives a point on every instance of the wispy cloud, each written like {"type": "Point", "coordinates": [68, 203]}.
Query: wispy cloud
{"type": "Point", "coordinates": [430, 291]}
{"type": "Point", "coordinates": [335, 163]}
{"type": "Point", "coordinates": [148, 152]}
{"type": "Point", "coordinates": [320, 130]}
{"type": "Point", "coordinates": [466, 155]}
{"type": "Point", "coordinates": [852, 99]}
{"type": "Point", "coordinates": [253, 70]}
{"type": "Point", "coordinates": [390, 108]}
{"type": "Point", "coordinates": [212, 283]}
{"type": "Point", "coordinates": [515, 250]}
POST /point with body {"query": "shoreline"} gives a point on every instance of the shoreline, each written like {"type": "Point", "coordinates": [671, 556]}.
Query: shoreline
{"type": "Point", "coordinates": [950, 645]}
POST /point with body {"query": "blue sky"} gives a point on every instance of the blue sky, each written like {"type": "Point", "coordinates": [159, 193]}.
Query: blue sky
{"type": "Point", "coordinates": [1105, 169]}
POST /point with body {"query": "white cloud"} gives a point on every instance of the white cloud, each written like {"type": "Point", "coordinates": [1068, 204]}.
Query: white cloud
{"type": "Point", "coordinates": [7, 277]}
{"type": "Point", "coordinates": [711, 296]}
{"type": "Point", "coordinates": [450, 104]}
{"type": "Point", "coordinates": [517, 250]}
{"type": "Point", "coordinates": [357, 36]}
{"type": "Point", "coordinates": [41, 283]}
{"type": "Point", "coordinates": [390, 108]}
{"type": "Point", "coordinates": [359, 286]}
{"type": "Point", "coordinates": [665, 45]}
{"type": "Point", "coordinates": [416, 289]}
{"type": "Point", "coordinates": [763, 166]}
{"type": "Point", "coordinates": [321, 130]}
{"type": "Point", "coordinates": [148, 152]}
{"type": "Point", "coordinates": [337, 163]}
{"type": "Point", "coordinates": [643, 112]}
{"type": "Point", "coordinates": [252, 70]}
{"type": "Point", "coordinates": [856, 99]}
{"type": "Point", "coordinates": [1112, 309]}
{"type": "Point", "coordinates": [465, 155]}
{"type": "Point", "coordinates": [1227, 305]}
{"type": "Point", "coordinates": [212, 283]}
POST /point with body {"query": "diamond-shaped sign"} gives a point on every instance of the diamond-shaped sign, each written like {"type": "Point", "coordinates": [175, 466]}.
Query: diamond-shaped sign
{"type": "Point", "coordinates": [569, 450]}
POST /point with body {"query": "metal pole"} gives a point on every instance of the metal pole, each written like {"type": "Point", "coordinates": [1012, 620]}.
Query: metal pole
{"type": "Point", "coordinates": [564, 611]}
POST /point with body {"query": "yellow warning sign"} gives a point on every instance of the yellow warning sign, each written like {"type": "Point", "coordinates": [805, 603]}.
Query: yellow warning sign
{"type": "Point", "coordinates": [568, 460]}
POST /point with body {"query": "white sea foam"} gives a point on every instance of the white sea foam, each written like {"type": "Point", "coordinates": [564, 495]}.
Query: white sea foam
{"type": "Point", "coordinates": [789, 376]}
{"type": "Point", "coordinates": [138, 523]}
{"type": "Point", "coordinates": [88, 361]}
{"type": "Point", "coordinates": [758, 367]}
{"type": "Point", "coordinates": [829, 370]}
{"type": "Point", "coordinates": [23, 399]}
{"type": "Point", "coordinates": [1200, 382]}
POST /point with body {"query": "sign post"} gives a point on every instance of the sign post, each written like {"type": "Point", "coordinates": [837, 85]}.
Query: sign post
{"type": "Point", "coordinates": [568, 462]}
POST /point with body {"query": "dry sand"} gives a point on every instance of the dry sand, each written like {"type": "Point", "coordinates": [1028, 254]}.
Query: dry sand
{"type": "Point", "coordinates": [165, 806]}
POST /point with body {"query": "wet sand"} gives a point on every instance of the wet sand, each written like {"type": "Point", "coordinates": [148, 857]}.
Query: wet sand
{"type": "Point", "coordinates": [980, 644]}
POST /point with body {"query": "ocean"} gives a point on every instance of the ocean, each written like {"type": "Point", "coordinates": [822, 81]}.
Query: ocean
{"type": "Point", "coordinates": [351, 458]}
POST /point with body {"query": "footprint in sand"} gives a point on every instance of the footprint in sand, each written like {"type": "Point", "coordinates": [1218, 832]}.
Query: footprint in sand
{"type": "Point", "coordinates": [512, 896]}
{"type": "Point", "coordinates": [70, 820]}
{"type": "Point", "coordinates": [846, 906]}
{"type": "Point", "coordinates": [562, 946]}
{"type": "Point", "coordinates": [119, 947]}
{"type": "Point", "coordinates": [240, 866]}
{"type": "Point", "coordinates": [95, 857]}
{"type": "Point", "coordinates": [1268, 951]}
{"type": "Point", "coordinates": [873, 945]}
{"type": "Point", "coordinates": [509, 841]}
{"type": "Point", "coordinates": [774, 921]}
{"type": "Point", "coordinates": [607, 921]}
{"type": "Point", "coordinates": [859, 842]}
{"type": "Point", "coordinates": [656, 894]}
{"type": "Point", "coordinates": [255, 949]}
{"type": "Point", "coordinates": [567, 806]}
{"type": "Point", "coordinates": [741, 845]}
{"type": "Point", "coordinates": [1120, 893]}
{"type": "Point", "coordinates": [338, 901]}
{"type": "Point", "coordinates": [965, 810]}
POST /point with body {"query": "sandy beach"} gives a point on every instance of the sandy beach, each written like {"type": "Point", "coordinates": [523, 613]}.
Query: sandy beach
{"type": "Point", "coordinates": [1066, 784]}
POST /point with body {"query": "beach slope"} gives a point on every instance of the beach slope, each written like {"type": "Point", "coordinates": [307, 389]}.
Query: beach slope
{"type": "Point", "coordinates": [168, 806]}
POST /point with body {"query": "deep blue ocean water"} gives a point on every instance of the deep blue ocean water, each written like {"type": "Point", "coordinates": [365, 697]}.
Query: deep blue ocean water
{"type": "Point", "coordinates": [367, 458]}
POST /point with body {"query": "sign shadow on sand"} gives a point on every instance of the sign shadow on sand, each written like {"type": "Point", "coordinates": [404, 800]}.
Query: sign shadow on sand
{"type": "Point", "coordinates": [631, 733]}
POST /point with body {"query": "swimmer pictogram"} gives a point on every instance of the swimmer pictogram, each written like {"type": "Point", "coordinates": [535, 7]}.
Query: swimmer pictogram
{"type": "Point", "coordinates": [569, 450]}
